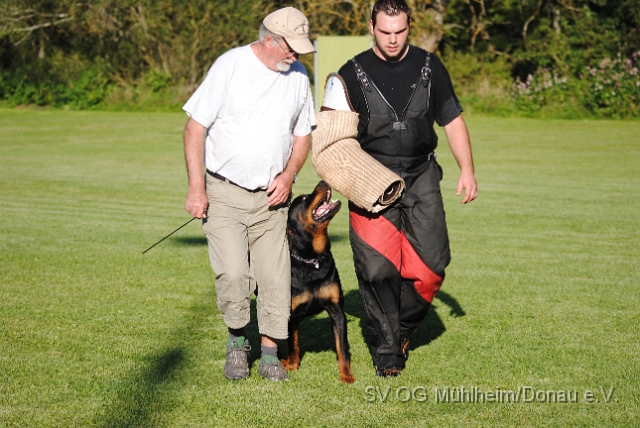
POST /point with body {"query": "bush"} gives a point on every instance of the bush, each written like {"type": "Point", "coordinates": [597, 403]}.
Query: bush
{"type": "Point", "coordinates": [542, 88]}
{"type": "Point", "coordinates": [57, 85]}
{"type": "Point", "coordinates": [482, 83]}
{"type": "Point", "coordinates": [612, 90]}
{"type": "Point", "coordinates": [154, 91]}
{"type": "Point", "coordinates": [87, 91]}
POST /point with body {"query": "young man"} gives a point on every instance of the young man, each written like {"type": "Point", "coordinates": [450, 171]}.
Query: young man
{"type": "Point", "coordinates": [400, 254]}
{"type": "Point", "coordinates": [249, 128]}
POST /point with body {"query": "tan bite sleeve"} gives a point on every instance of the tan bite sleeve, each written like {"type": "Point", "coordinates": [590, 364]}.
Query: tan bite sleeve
{"type": "Point", "coordinates": [340, 161]}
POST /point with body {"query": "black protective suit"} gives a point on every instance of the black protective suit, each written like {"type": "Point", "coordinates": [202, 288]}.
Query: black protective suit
{"type": "Point", "coordinates": [400, 254]}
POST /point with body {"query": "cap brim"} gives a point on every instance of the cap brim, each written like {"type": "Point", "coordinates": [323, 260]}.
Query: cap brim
{"type": "Point", "coordinates": [300, 46]}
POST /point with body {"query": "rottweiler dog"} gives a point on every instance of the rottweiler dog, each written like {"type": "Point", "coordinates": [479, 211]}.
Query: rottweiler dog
{"type": "Point", "coordinates": [315, 284]}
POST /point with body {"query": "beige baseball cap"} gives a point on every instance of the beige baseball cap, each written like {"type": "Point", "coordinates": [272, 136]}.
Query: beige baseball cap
{"type": "Point", "coordinates": [291, 24]}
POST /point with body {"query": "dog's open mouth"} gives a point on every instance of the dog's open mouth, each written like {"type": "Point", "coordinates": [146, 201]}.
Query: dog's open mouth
{"type": "Point", "coordinates": [326, 208]}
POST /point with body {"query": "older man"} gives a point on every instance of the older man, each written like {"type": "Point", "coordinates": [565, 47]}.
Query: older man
{"type": "Point", "coordinates": [247, 137]}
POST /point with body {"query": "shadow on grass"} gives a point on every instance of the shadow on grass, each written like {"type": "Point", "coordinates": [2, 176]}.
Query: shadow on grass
{"type": "Point", "coordinates": [191, 240]}
{"type": "Point", "coordinates": [428, 330]}
{"type": "Point", "coordinates": [338, 238]}
{"type": "Point", "coordinates": [202, 240]}
{"type": "Point", "coordinates": [143, 395]}
{"type": "Point", "coordinates": [455, 310]}
{"type": "Point", "coordinates": [140, 396]}
{"type": "Point", "coordinates": [315, 335]}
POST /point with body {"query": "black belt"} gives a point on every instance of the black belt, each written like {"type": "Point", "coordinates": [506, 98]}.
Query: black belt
{"type": "Point", "coordinates": [226, 180]}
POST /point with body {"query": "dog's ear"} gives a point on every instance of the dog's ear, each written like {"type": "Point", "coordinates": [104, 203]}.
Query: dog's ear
{"type": "Point", "coordinates": [289, 235]}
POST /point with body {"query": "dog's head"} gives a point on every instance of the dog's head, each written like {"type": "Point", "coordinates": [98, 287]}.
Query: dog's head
{"type": "Point", "coordinates": [309, 216]}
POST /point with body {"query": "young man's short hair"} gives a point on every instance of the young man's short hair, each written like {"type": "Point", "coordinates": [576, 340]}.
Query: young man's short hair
{"type": "Point", "coordinates": [390, 8]}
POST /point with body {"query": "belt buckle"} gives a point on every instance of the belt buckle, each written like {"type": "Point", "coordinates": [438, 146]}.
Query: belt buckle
{"type": "Point", "coordinates": [398, 126]}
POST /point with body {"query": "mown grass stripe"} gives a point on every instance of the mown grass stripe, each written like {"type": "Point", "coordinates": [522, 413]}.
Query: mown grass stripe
{"type": "Point", "coordinates": [541, 292]}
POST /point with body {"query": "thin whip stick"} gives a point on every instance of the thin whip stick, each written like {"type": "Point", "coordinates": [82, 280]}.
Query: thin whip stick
{"type": "Point", "coordinates": [169, 235]}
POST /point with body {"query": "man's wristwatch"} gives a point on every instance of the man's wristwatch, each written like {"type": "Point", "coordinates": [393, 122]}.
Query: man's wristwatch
{"type": "Point", "coordinates": [294, 176]}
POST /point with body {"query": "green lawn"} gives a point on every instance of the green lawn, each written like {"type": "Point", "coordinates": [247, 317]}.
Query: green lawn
{"type": "Point", "coordinates": [541, 297]}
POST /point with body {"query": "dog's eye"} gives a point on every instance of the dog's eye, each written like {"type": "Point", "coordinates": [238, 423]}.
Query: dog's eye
{"type": "Point", "coordinates": [304, 197]}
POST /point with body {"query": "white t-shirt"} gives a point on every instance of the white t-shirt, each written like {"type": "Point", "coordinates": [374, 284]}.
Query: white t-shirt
{"type": "Point", "coordinates": [251, 113]}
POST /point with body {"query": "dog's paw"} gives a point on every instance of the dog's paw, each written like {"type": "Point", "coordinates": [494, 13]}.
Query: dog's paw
{"type": "Point", "coordinates": [290, 363]}
{"type": "Point", "coordinates": [347, 377]}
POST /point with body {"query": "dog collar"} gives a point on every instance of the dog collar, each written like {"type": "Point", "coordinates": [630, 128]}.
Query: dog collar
{"type": "Point", "coordinates": [314, 262]}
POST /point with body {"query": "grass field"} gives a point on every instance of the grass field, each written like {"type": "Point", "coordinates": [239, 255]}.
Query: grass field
{"type": "Point", "coordinates": [541, 297]}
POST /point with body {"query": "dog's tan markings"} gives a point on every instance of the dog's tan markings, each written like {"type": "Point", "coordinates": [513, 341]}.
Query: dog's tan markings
{"type": "Point", "coordinates": [330, 292]}
{"type": "Point", "coordinates": [300, 299]}
{"type": "Point", "coordinates": [310, 226]}
{"type": "Point", "coordinates": [309, 223]}
{"type": "Point", "coordinates": [320, 242]}
{"type": "Point", "coordinates": [343, 365]}
{"type": "Point", "coordinates": [292, 362]}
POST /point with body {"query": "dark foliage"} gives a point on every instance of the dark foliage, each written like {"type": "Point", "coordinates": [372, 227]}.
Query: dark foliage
{"type": "Point", "coordinates": [138, 53]}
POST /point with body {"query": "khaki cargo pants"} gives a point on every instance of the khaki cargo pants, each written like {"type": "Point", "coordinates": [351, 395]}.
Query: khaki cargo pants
{"type": "Point", "coordinates": [248, 248]}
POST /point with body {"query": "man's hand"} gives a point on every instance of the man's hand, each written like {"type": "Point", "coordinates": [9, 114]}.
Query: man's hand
{"type": "Point", "coordinates": [467, 182]}
{"type": "Point", "coordinates": [197, 204]}
{"type": "Point", "coordinates": [280, 189]}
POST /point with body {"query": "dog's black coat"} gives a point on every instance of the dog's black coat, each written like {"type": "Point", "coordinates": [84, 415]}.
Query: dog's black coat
{"type": "Point", "coordinates": [315, 284]}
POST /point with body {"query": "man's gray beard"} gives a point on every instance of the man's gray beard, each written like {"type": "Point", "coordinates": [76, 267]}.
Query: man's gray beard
{"type": "Point", "coordinates": [283, 66]}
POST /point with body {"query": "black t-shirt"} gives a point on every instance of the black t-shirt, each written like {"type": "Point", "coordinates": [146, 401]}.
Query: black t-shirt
{"type": "Point", "coordinates": [396, 82]}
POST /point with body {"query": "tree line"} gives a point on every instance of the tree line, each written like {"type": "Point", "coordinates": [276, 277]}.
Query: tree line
{"type": "Point", "coordinates": [565, 54]}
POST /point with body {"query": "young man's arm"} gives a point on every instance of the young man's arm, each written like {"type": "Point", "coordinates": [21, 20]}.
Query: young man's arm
{"type": "Point", "coordinates": [197, 201]}
{"type": "Point", "coordinates": [460, 145]}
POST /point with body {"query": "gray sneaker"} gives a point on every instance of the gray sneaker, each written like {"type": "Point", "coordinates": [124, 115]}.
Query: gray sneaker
{"type": "Point", "coordinates": [237, 365]}
{"type": "Point", "coordinates": [270, 368]}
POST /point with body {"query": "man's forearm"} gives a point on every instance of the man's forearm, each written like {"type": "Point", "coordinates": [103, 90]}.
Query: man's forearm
{"type": "Point", "coordinates": [196, 203]}
{"type": "Point", "coordinates": [299, 154]}
{"type": "Point", "coordinates": [460, 144]}
{"type": "Point", "coordinates": [194, 134]}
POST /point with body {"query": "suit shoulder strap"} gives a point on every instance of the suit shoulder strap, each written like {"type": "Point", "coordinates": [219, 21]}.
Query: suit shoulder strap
{"type": "Point", "coordinates": [426, 71]}
{"type": "Point", "coordinates": [362, 76]}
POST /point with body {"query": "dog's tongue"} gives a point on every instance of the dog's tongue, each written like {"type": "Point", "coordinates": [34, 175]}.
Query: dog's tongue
{"type": "Point", "coordinates": [325, 207]}
{"type": "Point", "coordinates": [322, 210]}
